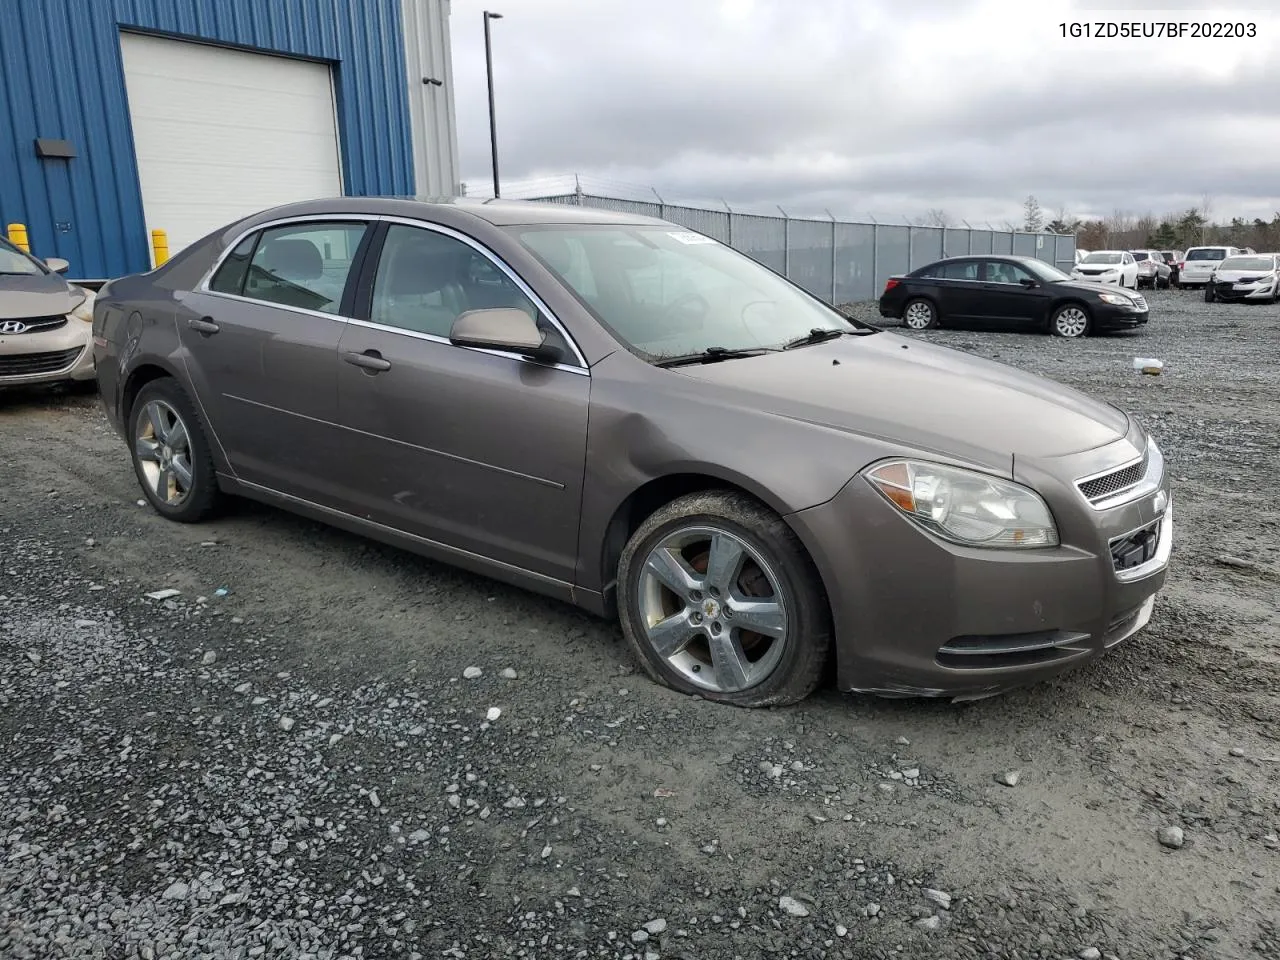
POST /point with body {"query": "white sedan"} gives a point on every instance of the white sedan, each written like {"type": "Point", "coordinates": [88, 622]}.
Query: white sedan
{"type": "Point", "coordinates": [1108, 266]}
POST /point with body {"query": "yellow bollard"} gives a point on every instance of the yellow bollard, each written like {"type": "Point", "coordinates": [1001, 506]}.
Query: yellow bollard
{"type": "Point", "coordinates": [18, 237]}
{"type": "Point", "coordinates": [159, 247]}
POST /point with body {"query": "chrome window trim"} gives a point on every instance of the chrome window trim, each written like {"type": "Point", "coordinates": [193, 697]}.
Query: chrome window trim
{"type": "Point", "coordinates": [582, 367]}
{"type": "Point", "coordinates": [337, 317]}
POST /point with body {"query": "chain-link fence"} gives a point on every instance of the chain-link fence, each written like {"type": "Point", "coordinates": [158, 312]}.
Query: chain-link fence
{"type": "Point", "coordinates": [839, 261]}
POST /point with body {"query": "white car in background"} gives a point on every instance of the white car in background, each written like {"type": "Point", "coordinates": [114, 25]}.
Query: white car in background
{"type": "Point", "coordinates": [1198, 264]}
{"type": "Point", "coordinates": [1108, 266]}
{"type": "Point", "coordinates": [1253, 277]}
{"type": "Point", "coordinates": [1081, 254]}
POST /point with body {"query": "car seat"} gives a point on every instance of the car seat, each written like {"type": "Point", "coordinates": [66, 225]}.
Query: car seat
{"type": "Point", "coordinates": [421, 289]}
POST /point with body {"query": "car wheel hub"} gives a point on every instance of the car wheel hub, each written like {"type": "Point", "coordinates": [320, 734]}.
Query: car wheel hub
{"type": "Point", "coordinates": [1072, 322]}
{"type": "Point", "coordinates": [163, 453]}
{"type": "Point", "coordinates": [918, 315]}
{"type": "Point", "coordinates": [710, 606]}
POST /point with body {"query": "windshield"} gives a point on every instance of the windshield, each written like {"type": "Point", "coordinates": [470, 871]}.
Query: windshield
{"type": "Point", "coordinates": [667, 292]}
{"type": "Point", "coordinates": [14, 262]}
{"type": "Point", "coordinates": [1044, 271]}
{"type": "Point", "coordinates": [1102, 258]}
{"type": "Point", "coordinates": [1248, 263]}
{"type": "Point", "coordinates": [1207, 253]}
{"type": "Point", "coordinates": [1140, 255]}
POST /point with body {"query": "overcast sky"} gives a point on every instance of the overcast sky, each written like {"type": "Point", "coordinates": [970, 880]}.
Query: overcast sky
{"type": "Point", "coordinates": [883, 107]}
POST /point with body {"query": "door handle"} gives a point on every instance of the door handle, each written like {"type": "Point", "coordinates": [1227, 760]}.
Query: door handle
{"type": "Point", "coordinates": [370, 360]}
{"type": "Point", "coordinates": [204, 325]}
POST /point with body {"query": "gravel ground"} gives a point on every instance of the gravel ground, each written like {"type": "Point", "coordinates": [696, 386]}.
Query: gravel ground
{"type": "Point", "coordinates": [352, 752]}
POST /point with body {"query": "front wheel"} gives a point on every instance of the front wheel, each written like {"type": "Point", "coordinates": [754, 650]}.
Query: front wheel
{"type": "Point", "coordinates": [1208, 293]}
{"type": "Point", "coordinates": [920, 315]}
{"type": "Point", "coordinates": [1070, 320]}
{"type": "Point", "coordinates": [171, 453]}
{"type": "Point", "coordinates": [717, 596]}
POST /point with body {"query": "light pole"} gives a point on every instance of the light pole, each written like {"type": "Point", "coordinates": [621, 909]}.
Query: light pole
{"type": "Point", "coordinates": [493, 123]}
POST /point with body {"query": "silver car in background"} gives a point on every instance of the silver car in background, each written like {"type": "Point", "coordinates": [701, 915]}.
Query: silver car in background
{"type": "Point", "coordinates": [45, 322]}
{"type": "Point", "coordinates": [1152, 270]}
{"type": "Point", "coordinates": [1254, 277]}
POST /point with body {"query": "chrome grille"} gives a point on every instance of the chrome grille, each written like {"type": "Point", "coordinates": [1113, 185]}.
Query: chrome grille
{"type": "Point", "coordinates": [40, 324]}
{"type": "Point", "coordinates": [1109, 484]}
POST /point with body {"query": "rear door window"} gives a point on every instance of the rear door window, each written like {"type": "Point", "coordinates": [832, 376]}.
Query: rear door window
{"type": "Point", "coordinates": [230, 276]}
{"type": "Point", "coordinates": [304, 265]}
{"type": "Point", "coordinates": [960, 271]}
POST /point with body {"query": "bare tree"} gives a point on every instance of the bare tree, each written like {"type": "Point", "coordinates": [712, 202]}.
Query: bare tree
{"type": "Point", "coordinates": [939, 218]}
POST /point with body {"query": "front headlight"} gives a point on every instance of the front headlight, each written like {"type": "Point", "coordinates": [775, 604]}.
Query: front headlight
{"type": "Point", "coordinates": [964, 506]}
{"type": "Point", "coordinates": [84, 309]}
{"type": "Point", "coordinates": [1116, 298]}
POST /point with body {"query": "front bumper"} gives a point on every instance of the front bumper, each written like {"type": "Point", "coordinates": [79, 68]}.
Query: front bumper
{"type": "Point", "coordinates": [917, 616]}
{"type": "Point", "coordinates": [1108, 316]}
{"type": "Point", "coordinates": [1244, 291]}
{"type": "Point", "coordinates": [47, 357]}
{"type": "Point", "coordinates": [1113, 279]}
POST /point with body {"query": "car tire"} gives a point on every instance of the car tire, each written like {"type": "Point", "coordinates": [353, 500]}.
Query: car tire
{"type": "Point", "coordinates": [1208, 293]}
{"type": "Point", "coordinates": [666, 576]}
{"type": "Point", "coordinates": [171, 454]}
{"type": "Point", "coordinates": [1070, 321]}
{"type": "Point", "coordinates": [920, 314]}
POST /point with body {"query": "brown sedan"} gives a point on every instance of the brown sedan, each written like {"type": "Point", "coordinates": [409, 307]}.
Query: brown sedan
{"type": "Point", "coordinates": [640, 420]}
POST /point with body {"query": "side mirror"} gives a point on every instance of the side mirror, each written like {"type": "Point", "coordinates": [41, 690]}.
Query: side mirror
{"type": "Point", "coordinates": [1028, 282]}
{"type": "Point", "coordinates": [503, 328]}
{"type": "Point", "coordinates": [57, 265]}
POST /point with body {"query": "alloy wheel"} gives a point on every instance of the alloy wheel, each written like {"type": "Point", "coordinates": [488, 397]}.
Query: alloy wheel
{"type": "Point", "coordinates": [163, 450]}
{"type": "Point", "coordinates": [919, 315]}
{"type": "Point", "coordinates": [710, 605]}
{"type": "Point", "coordinates": [1070, 322]}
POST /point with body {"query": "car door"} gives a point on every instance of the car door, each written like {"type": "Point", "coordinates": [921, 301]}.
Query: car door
{"type": "Point", "coordinates": [1011, 294]}
{"type": "Point", "coordinates": [959, 289]}
{"type": "Point", "coordinates": [481, 450]}
{"type": "Point", "coordinates": [261, 341]}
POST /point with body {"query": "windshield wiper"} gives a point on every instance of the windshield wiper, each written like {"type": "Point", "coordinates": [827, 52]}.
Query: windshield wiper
{"type": "Point", "coordinates": [712, 355]}
{"type": "Point", "coordinates": [817, 335]}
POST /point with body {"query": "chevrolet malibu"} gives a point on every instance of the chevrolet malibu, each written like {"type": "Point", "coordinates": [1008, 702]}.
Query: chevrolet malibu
{"type": "Point", "coordinates": [639, 420]}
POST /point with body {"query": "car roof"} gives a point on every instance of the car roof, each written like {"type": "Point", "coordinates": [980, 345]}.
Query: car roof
{"type": "Point", "coordinates": [496, 212]}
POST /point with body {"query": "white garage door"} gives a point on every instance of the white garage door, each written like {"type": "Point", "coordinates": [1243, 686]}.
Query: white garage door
{"type": "Point", "coordinates": [222, 133]}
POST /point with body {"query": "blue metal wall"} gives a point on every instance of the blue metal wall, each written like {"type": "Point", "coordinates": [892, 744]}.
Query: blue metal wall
{"type": "Point", "coordinates": [61, 76]}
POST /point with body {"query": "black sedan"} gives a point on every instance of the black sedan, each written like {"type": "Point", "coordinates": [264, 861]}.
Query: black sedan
{"type": "Point", "coordinates": [1009, 291]}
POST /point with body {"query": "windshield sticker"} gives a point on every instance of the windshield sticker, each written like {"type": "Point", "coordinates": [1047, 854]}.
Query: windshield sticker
{"type": "Point", "coordinates": [688, 237]}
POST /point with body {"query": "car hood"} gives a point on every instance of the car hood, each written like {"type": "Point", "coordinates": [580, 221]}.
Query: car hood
{"type": "Point", "coordinates": [1087, 285]}
{"type": "Point", "coordinates": [923, 396]}
{"type": "Point", "coordinates": [47, 295]}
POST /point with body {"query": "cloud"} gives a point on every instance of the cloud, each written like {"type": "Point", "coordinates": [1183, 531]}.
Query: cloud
{"type": "Point", "coordinates": [884, 106]}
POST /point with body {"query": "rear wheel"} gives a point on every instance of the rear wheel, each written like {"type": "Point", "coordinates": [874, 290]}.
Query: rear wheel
{"type": "Point", "coordinates": [1071, 320]}
{"type": "Point", "coordinates": [171, 453]}
{"type": "Point", "coordinates": [717, 596]}
{"type": "Point", "coordinates": [920, 314]}
{"type": "Point", "coordinates": [1208, 293]}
